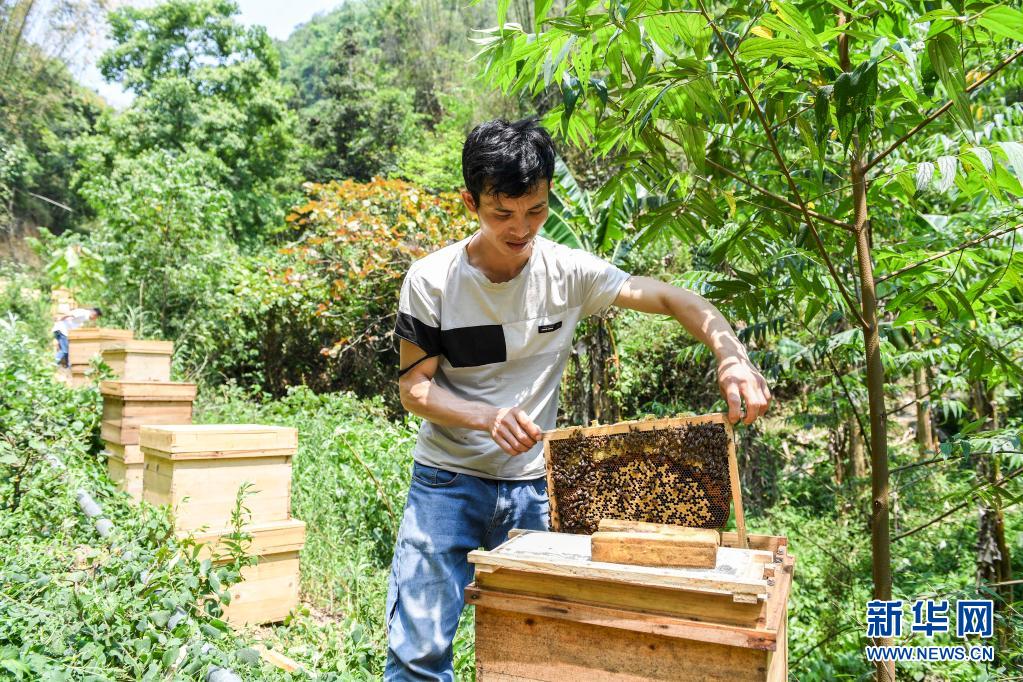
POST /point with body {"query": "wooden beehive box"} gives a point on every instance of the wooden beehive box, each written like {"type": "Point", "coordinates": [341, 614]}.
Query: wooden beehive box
{"type": "Point", "coordinates": [545, 611]}
{"type": "Point", "coordinates": [679, 471]}
{"type": "Point", "coordinates": [137, 360]}
{"type": "Point", "coordinates": [198, 469]}
{"type": "Point", "coordinates": [127, 405]}
{"type": "Point", "coordinates": [86, 343]}
{"type": "Point", "coordinates": [269, 590]}
{"type": "Point", "coordinates": [124, 466]}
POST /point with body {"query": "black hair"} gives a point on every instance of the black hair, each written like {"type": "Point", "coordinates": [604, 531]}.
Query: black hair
{"type": "Point", "coordinates": [506, 158]}
{"type": "Point", "coordinates": [99, 313]}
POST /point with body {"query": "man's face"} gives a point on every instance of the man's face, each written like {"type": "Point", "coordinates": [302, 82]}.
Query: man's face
{"type": "Point", "coordinates": [509, 225]}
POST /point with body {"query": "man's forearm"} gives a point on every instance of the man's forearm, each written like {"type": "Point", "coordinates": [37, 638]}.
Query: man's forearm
{"type": "Point", "coordinates": [423, 398]}
{"type": "Point", "coordinates": [705, 322]}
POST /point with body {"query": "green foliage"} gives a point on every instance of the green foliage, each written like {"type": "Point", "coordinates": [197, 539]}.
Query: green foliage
{"type": "Point", "coordinates": [382, 88]}
{"type": "Point", "coordinates": [42, 111]}
{"type": "Point", "coordinates": [205, 85]}
{"type": "Point", "coordinates": [162, 229]}
{"type": "Point", "coordinates": [73, 605]}
{"type": "Point", "coordinates": [354, 243]}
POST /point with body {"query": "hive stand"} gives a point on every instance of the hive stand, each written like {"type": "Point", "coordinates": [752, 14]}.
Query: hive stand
{"type": "Point", "coordinates": [269, 590]}
{"type": "Point", "coordinates": [87, 343]}
{"type": "Point", "coordinates": [137, 360]}
{"type": "Point", "coordinates": [198, 470]}
{"type": "Point", "coordinates": [126, 406]}
{"type": "Point", "coordinates": [545, 611]}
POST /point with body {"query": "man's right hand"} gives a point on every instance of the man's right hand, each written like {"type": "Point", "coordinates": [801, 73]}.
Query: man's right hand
{"type": "Point", "coordinates": [513, 430]}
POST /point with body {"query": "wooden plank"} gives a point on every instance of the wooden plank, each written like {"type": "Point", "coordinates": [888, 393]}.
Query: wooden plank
{"type": "Point", "coordinates": [149, 390]}
{"type": "Point", "coordinates": [216, 454]}
{"type": "Point", "coordinates": [636, 425]}
{"type": "Point", "coordinates": [182, 441]}
{"type": "Point", "coordinates": [668, 601]}
{"type": "Point", "coordinates": [552, 498]}
{"type": "Point", "coordinates": [115, 409]}
{"type": "Point", "coordinates": [531, 647]}
{"type": "Point", "coordinates": [141, 346]}
{"type": "Point", "coordinates": [268, 591]}
{"type": "Point", "coordinates": [619, 619]}
{"type": "Point", "coordinates": [267, 538]}
{"type": "Point", "coordinates": [127, 454]}
{"type": "Point", "coordinates": [736, 485]}
{"type": "Point", "coordinates": [88, 342]}
{"type": "Point", "coordinates": [765, 543]}
{"type": "Point", "coordinates": [127, 476]}
{"type": "Point", "coordinates": [202, 492]}
{"type": "Point", "coordinates": [277, 659]}
{"type": "Point", "coordinates": [696, 549]}
{"type": "Point", "coordinates": [138, 367]}
{"type": "Point", "coordinates": [569, 555]}
{"type": "Point", "coordinates": [626, 526]}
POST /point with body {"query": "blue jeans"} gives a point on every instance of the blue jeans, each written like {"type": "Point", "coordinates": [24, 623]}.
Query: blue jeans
{"type": "Point", "coordinates": [62, 349]}
{"type": "Point", "coordinates": [447, 515]}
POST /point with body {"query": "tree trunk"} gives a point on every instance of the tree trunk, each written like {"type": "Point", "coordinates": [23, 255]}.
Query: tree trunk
{"type": "Point", "coordinates": [603, 372]}
{"type": "Point", "coordinates": [994, 558]}
{"type": "Point", "coordinates": [880, 536]}
{"type": "Point", "coordinates": [856, 465]}
{"type": "Point", "coordinates": [924, 433]}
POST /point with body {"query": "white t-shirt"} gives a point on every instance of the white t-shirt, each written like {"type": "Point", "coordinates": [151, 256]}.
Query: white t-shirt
{"type": "Point", "coordinates": [73, 320]}
{"type": "Point", "coordinates": [505, 344]}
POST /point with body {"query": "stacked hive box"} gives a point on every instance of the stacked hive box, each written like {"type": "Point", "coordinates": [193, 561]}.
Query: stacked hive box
{"type": "Point", "coordinates": [137, 360]}
{"type": "Point", "coordinates": [127, 405]}
{"type": "Point", "coordinates": [85, 344]}
{"type": "Point", "coordinates": [198, 470]}
{"type": "Point", "coordinates": [546, 611]}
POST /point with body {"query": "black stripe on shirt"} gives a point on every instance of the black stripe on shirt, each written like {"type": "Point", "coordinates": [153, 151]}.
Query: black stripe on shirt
{"type": "Point", "coordinates": [423, 335]}
{"type": "Point", "coordinates": [474, 346]}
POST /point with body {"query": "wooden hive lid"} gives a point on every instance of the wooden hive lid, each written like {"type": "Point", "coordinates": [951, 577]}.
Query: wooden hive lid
{"type": "Point", "coordinates": [140, 346]}
{"type": "Point", "coordinates": [739, 572]}
{"type": "Point", "coordinates": [99, 333]}
{"type": "Point", "coordinates": [274, 537]}
{"type": "Point", "coordinates": [148, 390]}
{"type": "Point", "coordinates": [204, 441]}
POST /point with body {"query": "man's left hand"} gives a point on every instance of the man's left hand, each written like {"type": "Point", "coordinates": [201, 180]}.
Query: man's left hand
{"type": "Point", "coordinates": [740, 382]}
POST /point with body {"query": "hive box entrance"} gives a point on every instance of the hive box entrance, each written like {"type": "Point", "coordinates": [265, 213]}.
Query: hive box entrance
{"type": "Point", "coordinates": [679, 471]}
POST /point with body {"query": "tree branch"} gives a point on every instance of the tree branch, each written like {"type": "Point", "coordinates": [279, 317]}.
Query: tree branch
{"type": "Point", "coordinates": [958, 507]}
{"type": "Point", "coordinates": [777, 197]}
{"type": "Point", "coordinates": [850, 302]}
{"type": "Point", "coordinates": [961, 247]}
{"type": "Point", "coordinates": [941, 110]}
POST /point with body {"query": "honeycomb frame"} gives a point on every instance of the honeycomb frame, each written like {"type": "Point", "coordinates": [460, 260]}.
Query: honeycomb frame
{"type": "Point", "coordinates": [679, 470]}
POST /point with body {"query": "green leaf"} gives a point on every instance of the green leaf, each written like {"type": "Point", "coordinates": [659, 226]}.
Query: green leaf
{"type": "Point", "coordinates": [855, 93]}
{"type": "Point", "coordinates": [540, 10]}
{"type": "Point", "coordinates": [947, 64]}
{"type": "Point", "coordinates": [947, 165]}
{"type": "Point", "coordinates": [822, 114]}
{"type": "Point", "coordinates": [924, 174]}
{"type": "Point", "coordinates": [1003, 21]}
{"type": "Point", "coordinates": [1014, 153]}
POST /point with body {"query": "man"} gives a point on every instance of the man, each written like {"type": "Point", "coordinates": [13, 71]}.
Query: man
{"type": "Point", "coordinates": [73, 320]}
{"type": "Point", "coordinates": [485, 329]}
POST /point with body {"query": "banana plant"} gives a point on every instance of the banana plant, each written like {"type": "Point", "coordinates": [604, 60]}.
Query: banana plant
{"type": "Point", "coordinates": [605, 227]}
